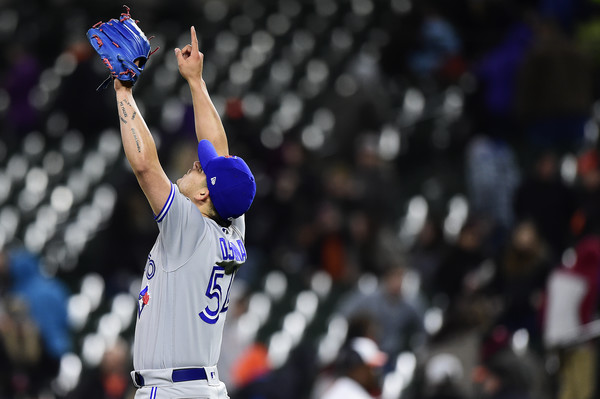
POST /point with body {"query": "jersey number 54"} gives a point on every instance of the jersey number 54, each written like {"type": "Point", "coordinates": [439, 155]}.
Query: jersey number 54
{"type": "Point", "coordinates": [215, 293]}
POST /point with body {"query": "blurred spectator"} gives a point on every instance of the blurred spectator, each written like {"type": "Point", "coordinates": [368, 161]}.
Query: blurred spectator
{"type": "Point", "coordinates": [111, 379]}
{"type": "Point", "coordinates": [251, 365]}
{"type": "Point", "coordinates": [521, 280]}
{"type": "Point", "coordinates": [362, 325]}
{"type": "Point", "coordinates": [362, 242]}
{"type": "Point", "coordinates": [503, 376]}
{"type": "Point", "coordinates": [241, 359]}
{"type": "Point", "coordinates": [508, 367]}
{"type": "Point", "coordinates": [571, 303]}
{"type": "Point", "coordinates": [462, 293]}
{"type": "Point", "coordinates": [46, 299]}
{"type": "Point", "coordinates": [376, 183]}
{"type": "Point", "coordinates": [290, 188]}
{"type": "Point", "coordinates": [456, 340]}
{"type": "Point", "coordinates": [440, 45]}
{"type": "Point", "coordinates": [359, 107]}
{"type": "Point", "coordinates": [492, 177]}
{"type": "Point", "coordinates": [357, 365]}
{"type": "Point", "coordinates": [359, 325]}
{"type": "Point", "coordinates": [398, 324]}
{"type": "Point", "coordinates": [497, 73]}
{"type": "Point", "coordinates": [461, 260]}
{"type": "Point", "coordinates": [19, 81]}
{"type": "Point", "coordinates": [331, 245]}
{"type": "Point", "coordinates": [554, 92]}
{"type": "Point", "coordinates": [426, 254]}
{"type": "Point", "coordinates": [39, 317]}
{"type": "Point", "coordinates": [83, 114]}
{"type": "Point", "coordinates": [586, 219]}
{"type": "Point", "coordinates": [22, 370]}
{"type": "Point", "coordinates": [443, 375]}
{"type": "Point", "coordinates": [293, 380]}
{"type": "Point", "coordinates": [545, 199]}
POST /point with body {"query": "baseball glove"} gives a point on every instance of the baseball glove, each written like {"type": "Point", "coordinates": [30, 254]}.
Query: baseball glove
{"type": "Point", "coordinates": [120, 43]}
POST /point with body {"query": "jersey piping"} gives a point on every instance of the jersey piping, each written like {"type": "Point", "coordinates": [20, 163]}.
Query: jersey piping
{"type": "Point", "coordinates": [161, 215]}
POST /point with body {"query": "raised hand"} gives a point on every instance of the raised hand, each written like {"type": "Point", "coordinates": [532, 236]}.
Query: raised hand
{"type": "Point", "coordinates": [190, 60]}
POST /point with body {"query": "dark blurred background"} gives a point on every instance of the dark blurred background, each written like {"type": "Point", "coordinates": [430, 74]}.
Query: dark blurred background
{"type": "Point", "coordinates": [427, 173]}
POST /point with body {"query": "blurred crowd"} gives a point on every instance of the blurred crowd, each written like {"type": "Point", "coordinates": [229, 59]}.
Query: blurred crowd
{"type": "Point", "coordinates": [453, 200]}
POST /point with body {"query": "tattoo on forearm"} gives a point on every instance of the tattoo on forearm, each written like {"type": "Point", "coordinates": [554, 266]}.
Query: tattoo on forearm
{"type": "Point", "coordinates": [123, 108]}
{"type": "Point", "coordinates": [123, 119]}
{"type": "Point", "coordinates": [133, 115]}
{"type": "Point", "coordinates": [137, 140]}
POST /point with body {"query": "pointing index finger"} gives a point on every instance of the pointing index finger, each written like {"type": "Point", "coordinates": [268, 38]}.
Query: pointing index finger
{"type": "Point", "coordinates": [194, 39]}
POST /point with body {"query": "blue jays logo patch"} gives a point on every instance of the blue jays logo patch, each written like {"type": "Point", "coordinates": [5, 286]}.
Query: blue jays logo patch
{"type": "Point", "coordinates": [143, 300]}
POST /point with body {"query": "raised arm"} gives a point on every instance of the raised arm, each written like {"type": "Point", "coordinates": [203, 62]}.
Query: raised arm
{"type": "Point", "coordinates": [140, 149]}
{"type": "Point", "coordinates": [207, 121]}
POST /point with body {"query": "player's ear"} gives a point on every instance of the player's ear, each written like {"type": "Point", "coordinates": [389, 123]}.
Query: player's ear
{"type": "Point", "coordinates": [201, 195]}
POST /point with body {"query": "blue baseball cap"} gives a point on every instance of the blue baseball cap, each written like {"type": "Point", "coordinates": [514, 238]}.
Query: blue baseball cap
{"type": "Point", "coordinates": [230, 182]}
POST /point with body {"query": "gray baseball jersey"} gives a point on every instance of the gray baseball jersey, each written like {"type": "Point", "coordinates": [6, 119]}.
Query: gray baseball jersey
{"type": "Point", "coordinates": [184, 295]}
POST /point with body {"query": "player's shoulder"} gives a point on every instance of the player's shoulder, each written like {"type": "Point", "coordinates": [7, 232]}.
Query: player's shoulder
{"type": "Point", "coordinates": [179, 211]}
{"type": "Point", "coordinates": [239, 225]}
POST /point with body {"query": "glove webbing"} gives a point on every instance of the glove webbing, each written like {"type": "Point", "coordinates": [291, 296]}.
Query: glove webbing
{"type": "Point", "coordinates": [132, 67]}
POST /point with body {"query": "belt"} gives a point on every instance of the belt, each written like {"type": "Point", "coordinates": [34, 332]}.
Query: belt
{"type": "Point", "coordinates": [178, 375]}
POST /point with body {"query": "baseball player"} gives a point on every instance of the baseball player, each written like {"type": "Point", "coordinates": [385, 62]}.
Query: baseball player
{"type": "Point", "coordinates": [184, 295]}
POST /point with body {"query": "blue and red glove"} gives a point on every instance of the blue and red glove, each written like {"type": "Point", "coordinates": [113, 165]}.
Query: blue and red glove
{"type": "Point", "coordinates": [120, 43]}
